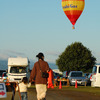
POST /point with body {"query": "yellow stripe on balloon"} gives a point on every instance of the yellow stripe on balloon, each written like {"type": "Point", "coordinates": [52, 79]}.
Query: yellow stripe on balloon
{"type": "Point", "coordinates": [73, 5]}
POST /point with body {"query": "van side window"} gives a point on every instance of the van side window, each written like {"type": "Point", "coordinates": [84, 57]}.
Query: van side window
{"type": "Point", "coordinates": [94, 69]}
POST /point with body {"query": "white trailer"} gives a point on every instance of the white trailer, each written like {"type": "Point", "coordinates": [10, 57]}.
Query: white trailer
{"type": "Point", "coordinates": [18, 68]}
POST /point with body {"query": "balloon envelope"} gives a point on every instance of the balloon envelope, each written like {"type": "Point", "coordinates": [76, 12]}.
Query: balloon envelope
{"type": "Point", "coordinates": [73, 9]}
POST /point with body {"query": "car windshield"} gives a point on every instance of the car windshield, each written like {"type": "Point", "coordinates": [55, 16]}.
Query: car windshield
{"type": "Point", "coordinates": [76, 74]}
{"type": "Point", "coordinates": [18, 69]}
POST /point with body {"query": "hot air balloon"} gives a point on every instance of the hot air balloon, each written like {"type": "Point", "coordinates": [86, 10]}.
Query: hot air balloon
{"type": "Point", "coordinates": [73, 9]}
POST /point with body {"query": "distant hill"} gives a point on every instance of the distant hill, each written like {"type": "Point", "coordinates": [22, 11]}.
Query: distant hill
{"type": "Point", "coordinates": [3, 65]}
{"type": "Point", "coordinates": [51, 65]}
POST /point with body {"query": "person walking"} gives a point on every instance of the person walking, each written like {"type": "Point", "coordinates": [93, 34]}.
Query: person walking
{"type": "Point", "coordinates": [36, 74]}
{"type": "Point", "coordinates": [23, 88]}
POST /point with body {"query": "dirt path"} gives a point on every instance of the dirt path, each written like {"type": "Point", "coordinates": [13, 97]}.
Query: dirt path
{"type": "Point", "coordinates": [56, 94]}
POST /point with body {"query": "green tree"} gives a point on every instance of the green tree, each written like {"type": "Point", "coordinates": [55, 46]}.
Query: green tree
{"type": "Point", "coordinates": [76, 57]}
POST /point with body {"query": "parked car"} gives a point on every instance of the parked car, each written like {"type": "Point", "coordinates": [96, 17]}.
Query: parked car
{"type": "Point", "coordinates": [95, 79]}
{"type": "Point", "coordinates": [76, 76]}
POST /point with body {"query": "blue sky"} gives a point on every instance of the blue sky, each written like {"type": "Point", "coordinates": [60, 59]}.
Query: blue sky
{"type": "Point", "coordinates": [28, 27]}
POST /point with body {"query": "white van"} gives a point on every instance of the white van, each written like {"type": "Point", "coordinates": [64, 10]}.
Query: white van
{"type": "Point", "coordinates": [18, 68]}
{"type": "Point", "coordinates": [95, 79]}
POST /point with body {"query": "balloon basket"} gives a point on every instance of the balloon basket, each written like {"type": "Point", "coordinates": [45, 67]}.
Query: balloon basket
{"type": "Point", "coordinates": [73, 27]}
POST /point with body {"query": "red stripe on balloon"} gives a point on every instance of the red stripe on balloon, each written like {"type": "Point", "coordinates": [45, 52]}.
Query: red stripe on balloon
{"type": "Point", "coordinates": [73, 12]}
{"type": "Point", "coordinates": [73, 18]}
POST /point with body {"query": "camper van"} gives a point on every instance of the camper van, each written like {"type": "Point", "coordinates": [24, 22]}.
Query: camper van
{"type": "Point", "coordinates": [95, 79]}
{"type": "Point", "coordinates": [18, 68]}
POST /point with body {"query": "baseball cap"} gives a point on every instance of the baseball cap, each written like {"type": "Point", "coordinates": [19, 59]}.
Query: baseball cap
{"type": "Point", "coordinates": [40, 55]}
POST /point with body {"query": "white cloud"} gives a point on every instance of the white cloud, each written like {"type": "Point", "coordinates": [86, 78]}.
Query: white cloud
{"type": "Point", "coordinates": [14, 53]}
{"type": "Point", "coordinates": [5, 54]}
{"type": "Point", "coordinates": [51, 56]}
{"type": "Point", "coordinates": [53, 53]}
